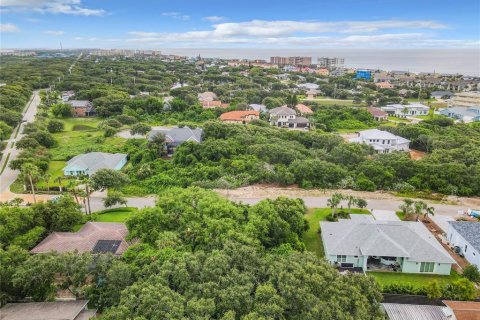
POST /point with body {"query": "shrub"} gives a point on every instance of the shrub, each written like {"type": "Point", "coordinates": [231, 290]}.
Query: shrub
{"type": "Point", "coordinates": [55, 126]}
{"type": "Point", "coordinates": [471, 273]}
{"type": "Point", "coordinates": [109, 131]}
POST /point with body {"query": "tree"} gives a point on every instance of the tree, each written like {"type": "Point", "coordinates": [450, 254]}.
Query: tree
{"type": "Point", "coordinates": [292, 100]}
{"type": "Point", "coordinates": [407, 207]}
{"type": "Point", "coordinates": [61, 110]}
{"type": "Point", "coordinates": [418, 207]}
{"type": "Point", "coordinates": [108, 179]}
{"type": "Point", "coordinates": [140, 128]}
{"type": "Point", "coordinates": [429, 211]}
{"type": "Point", "coordinates": [334, 201]}
{"type": "Point", "coordinates": [30, 171]}
{"type": "Point", "coordinates": [46, 177]}
{"type": "Point", "coordinates": [434, 290]}
{"type": "Point", "coordinates": [351, 201]}
{"type": "Point", "coordinates": [471, 273]}
{"type": "Point", "coordinates": [113, 198]}
{"type": "Point", "coordinates": [60, 214]}
{"type": "Point", "coordinates": [156, 143]}
{"type": "Point", "coordinates": [361, 203]}
{"type": "Point", "coordinates": [27, 143]}
{"type": "Point", "coordinates": [55, 126]}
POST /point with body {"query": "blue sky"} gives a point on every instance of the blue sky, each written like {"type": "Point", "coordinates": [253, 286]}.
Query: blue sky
{"type": "Point", "coordinates": [246, 24]}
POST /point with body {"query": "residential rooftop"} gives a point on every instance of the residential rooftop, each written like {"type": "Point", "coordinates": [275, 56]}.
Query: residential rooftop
{"type": "Point", "coordinates": [469, 230]}
{"type": "Point", "coordinates": [58, 310]}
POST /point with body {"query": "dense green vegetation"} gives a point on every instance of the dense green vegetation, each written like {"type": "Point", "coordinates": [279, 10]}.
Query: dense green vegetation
{"type": "Point", "coordinates": [199, 256]}
{"type": "Point", "coordinates": [232, 155]}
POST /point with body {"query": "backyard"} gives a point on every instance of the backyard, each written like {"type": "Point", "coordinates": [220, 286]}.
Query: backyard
{"type": "Point", "coordinates": [110, 215]}
{"type": "Point", "coordinates": [311, 237]}
{"type": "Point", "coordinates": [415, 280]}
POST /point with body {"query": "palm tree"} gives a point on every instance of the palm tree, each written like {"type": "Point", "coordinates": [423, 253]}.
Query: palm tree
{"type": "Point", "coordinates": [419, 206]}
{"type": "Point", "coordinates": [46, 177]}
{"type": "Point", "coordinates": [406, 207]}
{"type": "Point", "coordinates": [59, 179]}
{"type": "Point", "coordinates": [334, 201]}
{"type": "Point", "coordinates": [351, 201]}
{"type": "Point", "coordinates": [88, 190]}
{"type": "Point", "coordinates": [429, 211]}
{"type": "Point", "coordinates": [72, 187]}
{"type": "Point", "coordinates": [30, 171]}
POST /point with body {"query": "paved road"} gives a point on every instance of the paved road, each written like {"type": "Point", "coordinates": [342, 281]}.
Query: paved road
{"type": "Point", "coordinates": [8, 176]}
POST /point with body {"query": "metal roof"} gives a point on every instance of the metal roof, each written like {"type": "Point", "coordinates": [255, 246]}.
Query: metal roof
{"type": "Point", "coordinates": [417, 312]}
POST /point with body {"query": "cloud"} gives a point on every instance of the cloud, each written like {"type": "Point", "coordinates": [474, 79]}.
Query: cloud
{"type": "Point", "coordinates": [54, 33]}
{"type": "Point", "coordinates": [214, 18]}
{"type": "Point", "coordinates": [73, 7]}
{"type": "Point", "coordinates": [176, 15]}
{"type": "Point", "coordinates": [8, 27]}
{"type": "Point", "coordinates": [258, 33]}
{"type": "Point", "coordinates": [78, 38]}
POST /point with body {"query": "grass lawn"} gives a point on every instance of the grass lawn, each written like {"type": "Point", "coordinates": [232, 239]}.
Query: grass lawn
{"type": "Point", "coordinates": [311, 237]}
{"type": "Point", "coordinates": [55, 171]}
{"type": "Point", "coordinates": [392, 118]}
{"type": "Point", "coordinates": [416, 280]}
{"type": "Point", "coordinates": [400, 215]}
{"type": "Point", "coordinates": [110, 215]}
{"type": "Point", "coordinates": [82, 135]}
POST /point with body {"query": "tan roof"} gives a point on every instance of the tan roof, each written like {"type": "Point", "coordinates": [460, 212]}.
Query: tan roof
{"type": "Point", "coordinates": [376, 112]}
{"type": "Point", "coordinates": [58, 310]}
{"type": "Point", "coordinates": [85, 239]}
{"type": "Point", "coordinates": [238, 115]}
{"type": "Point", "coordinates": [303, 108]}
{"type": "Point", "coordinates": [211, 104]}
{"type": "Point", "coordinates": [464, 310]}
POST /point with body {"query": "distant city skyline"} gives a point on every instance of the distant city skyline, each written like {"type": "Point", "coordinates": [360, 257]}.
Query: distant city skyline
{"type": "Point", "coordinates": [242, 24]}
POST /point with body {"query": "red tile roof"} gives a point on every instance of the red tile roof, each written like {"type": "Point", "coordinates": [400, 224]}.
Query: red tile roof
{"type": "Point", "coordinates": [376, 112]}
{"type": "Point", "coordinates": [238, 115]}
{"type": "Point", "coordinates": [85, 239]}
{"type": "Point", "coordinates": [465, 310]}
{"type": "Point", "coordinates": [303, 109]}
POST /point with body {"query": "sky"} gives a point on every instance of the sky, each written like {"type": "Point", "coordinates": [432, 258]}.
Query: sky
{"type": "Point", "coordinates": [140, 24]}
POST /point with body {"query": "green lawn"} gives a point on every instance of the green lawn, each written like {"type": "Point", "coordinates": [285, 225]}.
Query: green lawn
{"type": "Point", "coordinates": [400, 215]}
{"type": "Point", "coordinates": [110, 215]}
{"type": "Point", "coordinates": [311, 237]}
{"type": "Point", "coordinates": [82, 135]}
{"type": "Point", "coordinates": [55, 170]}
{"type": "Point", "coordinates": [416, 280]}
{"type": "Point", "coordinates": [392, 118]}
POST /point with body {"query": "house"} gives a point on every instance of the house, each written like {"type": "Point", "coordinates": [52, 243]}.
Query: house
{"type": "Point", "coordinates": [82, 108]}
{"type": "Point", "coordinates": [240, 116]}
{"type": "Point", "coordinates": [311, 94]}
{"type": "Point", "coordinates": [404, 110]}
{"type": "Point", "coordinates": [377, 114]}
{"type": "Point", "coordinates": [94, 237]}
{"type": "Point", "coordinates": [308, 86]}
{"type": "Point", "coordinates": [176, 136]}
{"type": "Point", "coordinates": [209, 104]}
{"type": "Point", "coordinates": [440, 94]}
{"type": "Point", "coordinates": [404, 246]}
{"type": "Point", "coordinates": [382, 141]}
{"type": "Point", "coordinates": [207, 96]}
{"type": "Point", "coordinates": [258, 107]}
{"type": "Point", "coordinates": [303, 109]}
{"type": "Point", "coordinates": [397, 311]}
{"type": "Point", "coordinates": [466, 115]}
{"type": "Point", "coordinates": [465, 99]}
{"type": "Point", "coordinates": [466, 236]}
{"type": "Point", "coordinates": [464, 310]}
{"type": "Point", "coordinates": [322, 72]}
{"type": "Point", "coordinates": [286, 117]}
{"type": "Point", "coordinates": [55, 310]}
{"type": "Point", "coordinates": [363, 74]}
{"type": "Point", "coordinates": [66, 95]}
{"type": "Point", "coordinates": [384, 85]}
{"type": "Point", "coordinates": [89, 163]}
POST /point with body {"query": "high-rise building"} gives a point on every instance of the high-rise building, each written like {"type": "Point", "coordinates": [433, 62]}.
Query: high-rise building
{"type": "Point", "coordinates": [293, 61]}
{"type": "Point", "coordinates": [330, 63]}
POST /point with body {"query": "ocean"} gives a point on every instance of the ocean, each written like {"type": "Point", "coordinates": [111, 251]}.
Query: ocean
{"type": "Point", "coordinates": [463, 61]}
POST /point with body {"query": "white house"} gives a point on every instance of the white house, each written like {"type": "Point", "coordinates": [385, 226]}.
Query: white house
{"type": "Point", "coordinates": [466, 236]}
{"type": "Point", "coordinates": [382, 141]}
{"type": "Point", "coordinates": [368, 244]}
{"type": "Point", "coordinates": [89, 163]}
{"type": "Point", "coordinates": [404, 110]}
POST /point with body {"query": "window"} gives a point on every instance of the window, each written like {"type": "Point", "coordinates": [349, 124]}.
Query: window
{"type": "Point", "coordinates": [427, 266]}
{"type": "Point", "coordinates": [466, 248]}
{"type": "Point", "coordinates": [341, 258]}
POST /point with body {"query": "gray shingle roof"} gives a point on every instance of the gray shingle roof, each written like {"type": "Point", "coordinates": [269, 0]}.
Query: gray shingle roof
{"type": "Point", "coordinates": [177, 136]}
{"type": "Point", "coordinates": [382, 238]}
{"type": "Point", "coordinates": [94, 161]}
{"type": "Point", "coordinates": [469, 230]}
{"type": "Point", "coordinates": [258, 107]}
{"type": "Point", "coordinates": [282, 111]}
{"type": "Point", "coordinates": [80, 103]}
